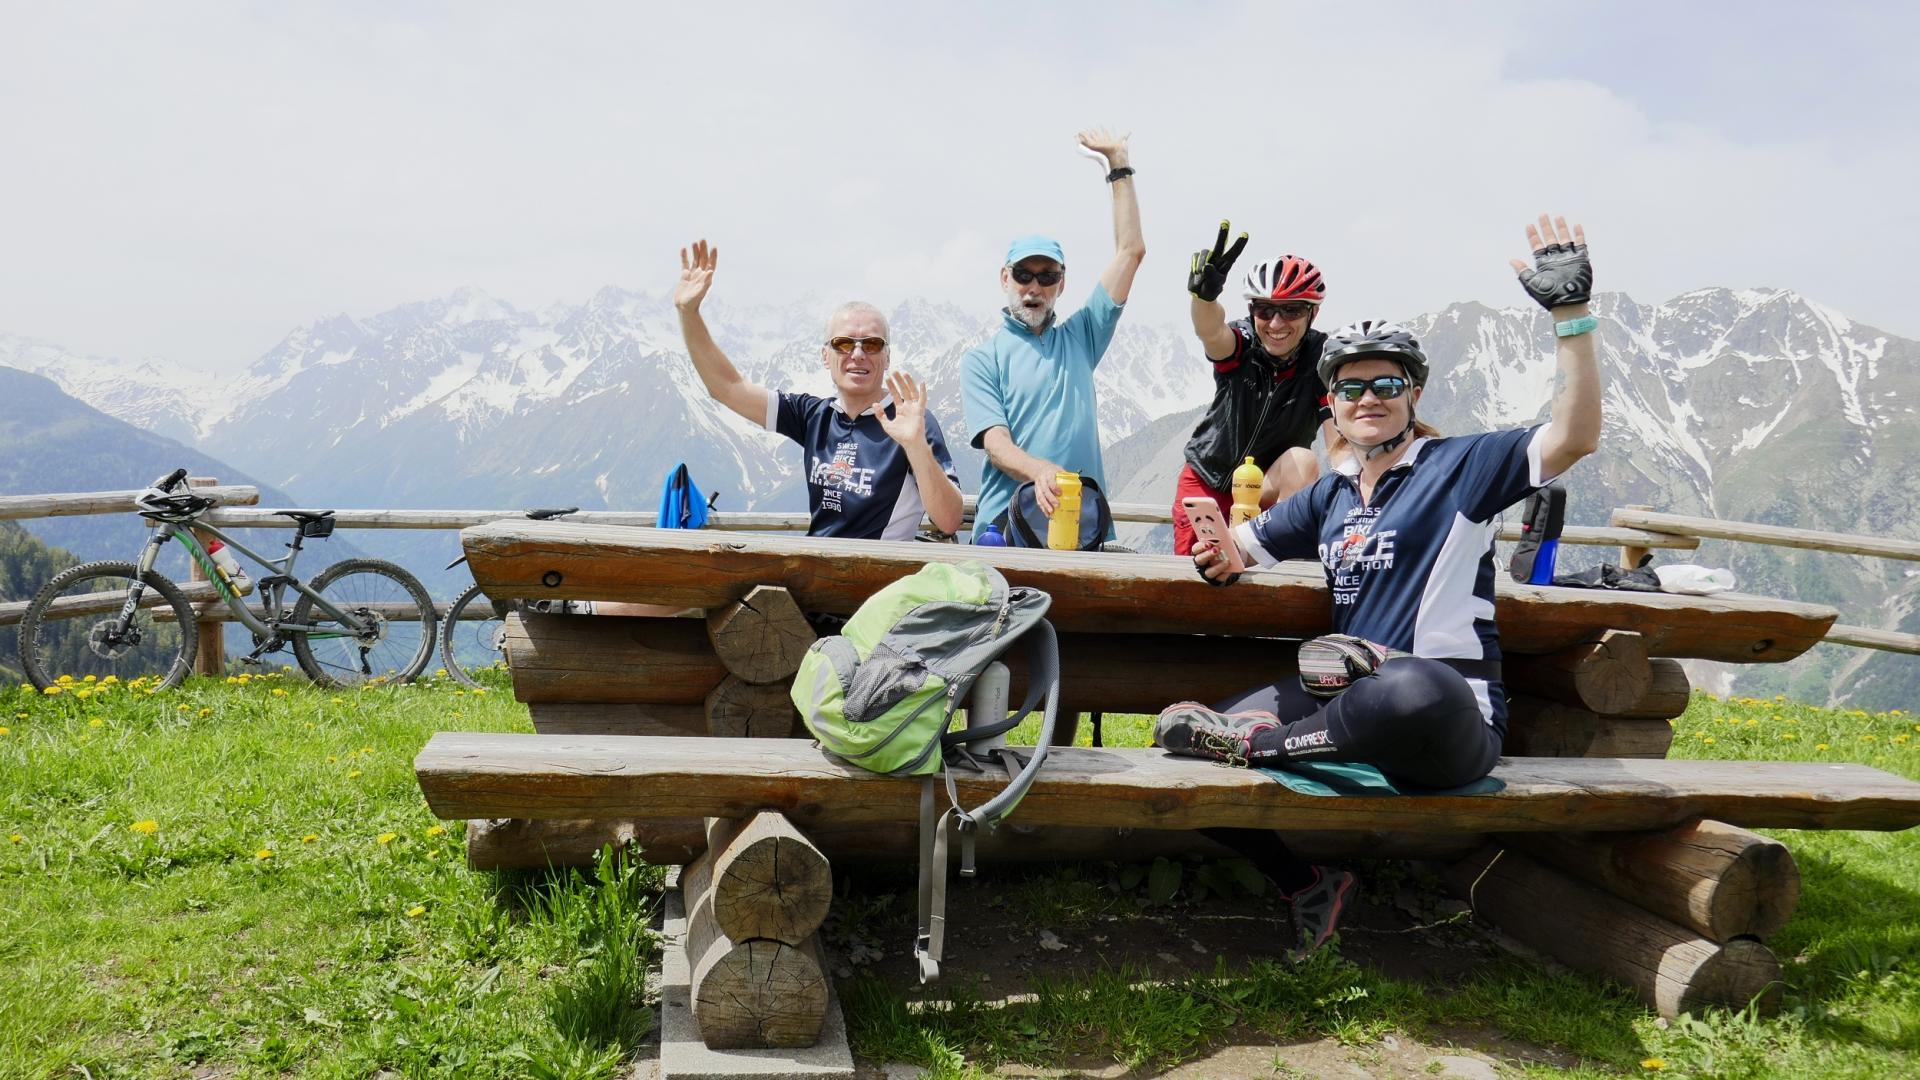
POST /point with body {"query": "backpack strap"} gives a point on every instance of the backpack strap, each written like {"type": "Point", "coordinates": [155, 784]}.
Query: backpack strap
{"type": "Point", "coordinates": [937, 828]}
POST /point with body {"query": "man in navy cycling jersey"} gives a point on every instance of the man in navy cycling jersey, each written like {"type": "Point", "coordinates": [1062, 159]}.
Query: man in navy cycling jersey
{"type": "Point", "coordinates": [876, 462]}
{"type": "Point", "coordinates": [1404, 529]}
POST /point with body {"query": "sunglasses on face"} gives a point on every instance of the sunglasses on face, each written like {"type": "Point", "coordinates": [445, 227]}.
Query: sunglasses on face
{"type": "Point", "coordinates": [845, 345]}
{"type": "Point", "coordinates": [1047, 278]}
{"type": "Point", "coordinates": [1288, 310]}
{"type": "Point", "coordinates": [1384, 387]}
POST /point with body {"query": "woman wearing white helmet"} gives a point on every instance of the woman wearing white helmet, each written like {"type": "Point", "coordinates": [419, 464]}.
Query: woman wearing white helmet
{"type": "Point", "coordinates": [1404, 528]}
{"type": "Point", "coordinates": [1267, 396]}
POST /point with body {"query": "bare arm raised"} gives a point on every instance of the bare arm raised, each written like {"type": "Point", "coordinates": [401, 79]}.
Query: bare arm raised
{"type": "Point", "coordinates": [1561, 280]}
{"type": "Point", "coordinates": [1130, 247]}
{"type": "Point", "coordinates": [908, 427]}
{"type": "Point", "coordinates": [1206, 279]}
{"type": "Point", "coordinates": [723, 381]}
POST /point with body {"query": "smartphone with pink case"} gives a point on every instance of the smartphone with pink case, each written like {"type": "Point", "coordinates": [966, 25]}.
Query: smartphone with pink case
{"type": "Point", "coordinates": [1210, 528]}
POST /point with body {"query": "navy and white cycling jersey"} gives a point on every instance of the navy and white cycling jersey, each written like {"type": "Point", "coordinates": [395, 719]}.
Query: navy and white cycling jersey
{"type": "Point", "coordinates": [1412, 570]}
{"type": "Point", "coordinates": [860, 484]}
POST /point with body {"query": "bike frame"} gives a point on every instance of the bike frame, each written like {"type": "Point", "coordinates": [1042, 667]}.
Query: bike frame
{"type": "Point", "coordinates": [272, 589]}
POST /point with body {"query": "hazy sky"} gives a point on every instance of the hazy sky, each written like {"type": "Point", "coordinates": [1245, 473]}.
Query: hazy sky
{"type": "Point", "coordinates": [194, 180]}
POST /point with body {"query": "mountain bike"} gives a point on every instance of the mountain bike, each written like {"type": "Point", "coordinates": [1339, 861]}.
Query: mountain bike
{"type": "Point", "coordinates": [483, 635]}
{"type": "Point", "coordinates": [360, 621]}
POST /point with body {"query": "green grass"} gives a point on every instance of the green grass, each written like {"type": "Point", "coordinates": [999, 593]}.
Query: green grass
{"type": "Point", "coordinates": [243, 875]}
{"type": "Point", "coordinates": [292, 911]}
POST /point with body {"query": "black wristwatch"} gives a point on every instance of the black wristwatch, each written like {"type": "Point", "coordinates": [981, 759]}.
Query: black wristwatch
{"type": "Point", "coordinates": [1120, 173]}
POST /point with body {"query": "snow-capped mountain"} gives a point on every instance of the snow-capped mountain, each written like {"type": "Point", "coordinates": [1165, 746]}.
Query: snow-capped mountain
{"type": "Point", "coordinates": [1754, 404]}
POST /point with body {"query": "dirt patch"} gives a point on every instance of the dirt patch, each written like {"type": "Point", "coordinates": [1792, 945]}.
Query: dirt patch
{"type": "Point", "coordinates": [1009, 927]}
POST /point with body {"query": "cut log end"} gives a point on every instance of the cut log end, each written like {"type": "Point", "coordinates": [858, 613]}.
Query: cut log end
{"type": "Point", "coordinates": [760, 994]}
{"type": "Point", "coordinates": [738, 709]}
{"type": "Point", "coordinates": [761, 637]}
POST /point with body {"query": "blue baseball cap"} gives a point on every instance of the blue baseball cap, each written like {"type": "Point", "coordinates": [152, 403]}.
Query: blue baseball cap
{"type": "Point", "coordinates": [1025, 247]}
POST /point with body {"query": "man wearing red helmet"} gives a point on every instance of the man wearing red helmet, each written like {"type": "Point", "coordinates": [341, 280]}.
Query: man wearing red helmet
{"type": "Point", "coordinates": [1267, 397]}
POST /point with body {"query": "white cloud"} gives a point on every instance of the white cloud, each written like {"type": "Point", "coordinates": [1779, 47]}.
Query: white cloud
{"type": "Point", "coordinates": [196, 184]}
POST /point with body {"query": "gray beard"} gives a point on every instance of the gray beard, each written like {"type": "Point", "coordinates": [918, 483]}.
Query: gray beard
{"type": "Point", "coordinates": [1033, 318]}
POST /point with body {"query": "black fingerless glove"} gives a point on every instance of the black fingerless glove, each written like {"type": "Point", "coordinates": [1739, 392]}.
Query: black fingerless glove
{"type": "Point", "coordinates": [1561, 275]}
{"type": "Point", "coordinates": [1207, 276]}
{"type": "Point", "coordinates": [1222, 583]}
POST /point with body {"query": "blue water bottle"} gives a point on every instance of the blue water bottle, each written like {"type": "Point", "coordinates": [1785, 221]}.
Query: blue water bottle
{"type": "Point", "coordinates": [990, 537]}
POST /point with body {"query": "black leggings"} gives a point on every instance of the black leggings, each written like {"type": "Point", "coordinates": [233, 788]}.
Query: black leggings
{"type": "Point", "coordinates": [1414, 719]}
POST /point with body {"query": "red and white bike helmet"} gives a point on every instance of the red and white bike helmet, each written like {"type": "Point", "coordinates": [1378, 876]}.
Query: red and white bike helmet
{"type": "Point", "coordinates": [1288, 277]}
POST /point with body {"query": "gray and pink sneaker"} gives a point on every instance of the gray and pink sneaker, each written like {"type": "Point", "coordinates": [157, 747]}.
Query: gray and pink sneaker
{"type": "Point", "coordinates": [1192, 729]}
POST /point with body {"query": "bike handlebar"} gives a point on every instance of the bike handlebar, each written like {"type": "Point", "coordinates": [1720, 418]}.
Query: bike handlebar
{"type": "Point", "coordinates": [167, 482]}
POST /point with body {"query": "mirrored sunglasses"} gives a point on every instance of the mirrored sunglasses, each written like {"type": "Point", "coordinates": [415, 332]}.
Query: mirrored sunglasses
{"type": "Point", "coordinates": [846, 345]}
{"type": "Point", "coordinates": [1384, 387]}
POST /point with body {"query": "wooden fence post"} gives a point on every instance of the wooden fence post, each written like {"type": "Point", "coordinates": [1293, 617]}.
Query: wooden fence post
{"type": "Point", "coordinates": [211, 657]}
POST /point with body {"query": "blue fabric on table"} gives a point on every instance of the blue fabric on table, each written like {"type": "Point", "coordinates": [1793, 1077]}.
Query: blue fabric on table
{"type": "Point", "coordinates": [1350, 778]}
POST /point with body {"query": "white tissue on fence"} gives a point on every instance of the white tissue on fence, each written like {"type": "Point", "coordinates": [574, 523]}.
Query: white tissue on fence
{"type": "Point", "coordinates": [1693, 580]}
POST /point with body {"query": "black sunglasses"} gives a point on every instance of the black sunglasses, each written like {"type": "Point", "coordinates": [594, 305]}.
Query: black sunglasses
{"type": "Point", "coordinates": [1384, 387]}
{"type": "Point", "coordinates": [1048, 278]}
{"type": "Point", "coordinates": [846, 345]}
{"type": "Point", "coordinates": [1289, 310]}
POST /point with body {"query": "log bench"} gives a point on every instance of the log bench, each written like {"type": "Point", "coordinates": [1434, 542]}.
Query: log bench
{"type": "Point", "coordinates": [1661, 888]}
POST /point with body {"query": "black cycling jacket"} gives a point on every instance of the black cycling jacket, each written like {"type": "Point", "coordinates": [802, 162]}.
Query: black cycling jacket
{"type": "Point", "coordinates": [1261, 406]}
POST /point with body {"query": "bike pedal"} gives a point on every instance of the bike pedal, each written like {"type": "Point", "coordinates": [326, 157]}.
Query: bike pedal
{"type": "Point", "coordinates": [252, 661]}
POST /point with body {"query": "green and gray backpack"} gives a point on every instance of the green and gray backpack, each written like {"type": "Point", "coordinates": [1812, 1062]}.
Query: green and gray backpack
{"type": "Point", "coordinates": [882, 695]}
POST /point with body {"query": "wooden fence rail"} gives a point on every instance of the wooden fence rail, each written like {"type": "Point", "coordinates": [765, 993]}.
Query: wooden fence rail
{"type": "Point", "coordinates": [22, 507]}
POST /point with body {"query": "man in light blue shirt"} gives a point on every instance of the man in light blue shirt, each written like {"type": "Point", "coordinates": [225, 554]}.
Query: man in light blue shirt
{"type": "Point", "coordinates": [1028, 391]}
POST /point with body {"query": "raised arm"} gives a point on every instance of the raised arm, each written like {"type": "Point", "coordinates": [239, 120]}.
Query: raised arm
{"type": "Point", "coordinates": [1205, 280]}
{"type": "Point", "coordinates": [1129, 246]}
{"type": "Point", "coordinates": [723, 381]}
{"type": "Point", "coordinates": [908, 427]}
{"type": "Point", "coordinates": [1561, 280]}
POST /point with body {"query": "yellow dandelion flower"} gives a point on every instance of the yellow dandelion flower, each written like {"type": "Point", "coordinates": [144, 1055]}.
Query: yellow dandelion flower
{"type": "Point", "coordinates": [263, 853]}
{"type": "Point", "coordinates": [1788, 736]}
{"type": "Point", "coordinates": [97, 722]}
{"type": "Point", "coordinates": [1779, 697]}
{"type": "Point", "coordinates": [1820, 746]}
{"type": "Point", "coordinates": [233, 680]}
{"type": "Point", "coordinates": [479, 691]}
{"type": "Point", "coordinates": [309, 838]}
{"type": "Point", "coordinates": [147, 826]}
{"type": "Point", "coordinates": [353, 773]}
{"type": "Point", "coordinates": [1896, 738]}
{"type": "Point", "coordinates": [338, 701]}
{"type": "Point", "coordinates": [384, 838]}
{"type": "Point", "coordinates": [333, 759]}
{"type": "Point", "coordinates": [1709, 742]}
{"type": "Point", "coordinates": [1753, 723]}
{"type": "Point", "coordinates": [52, 690]}
{"type": "Point", "coordinates": [436, 830]}
{"type": "Point", "coordinates": [366, 749]}
{"type": "Point", "coordinates": [65, 680]}
{"type": "Point", "coordinates": [440, 673]}
{"type": "Point", "coordinates": [21, 715]}
{"type": "Point", "coordinates": [83, 693]}
{"type": "Point", "coordinates": [91, 678]}
{"type": "Point", "coordinates": [455, 714]}
{"type": "Point", "coordinates": [183, 708]}
{"type": "Point", "coordinates": [16, 838]}
{"type": "Point", "coordinates": [6, 731]}
{"type": "Point", "coordinates": [1867, 738]}
{"type": "Point", "coordinates": [1654, 1064]}
{"type": "Point", "coordinates": [206, 712]}
{"type": "Point", "coordinates": [416, 911]}
{"type": "Point", "coordinates": [277, 692]}
{"type": "Point", "coordinates": [109, 680]}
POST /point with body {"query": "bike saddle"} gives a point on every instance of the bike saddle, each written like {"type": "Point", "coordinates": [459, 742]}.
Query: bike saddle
{"type": "Point", "coordinates": [304, 516]}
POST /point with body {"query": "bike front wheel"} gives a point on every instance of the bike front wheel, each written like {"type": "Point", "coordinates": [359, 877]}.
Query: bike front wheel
{"type": "Point", "coordinates": [388, 635]}
{"type": "Point", "coordinates": [75, 627]}
{"type": "Point", "coordinates": [475, 642]}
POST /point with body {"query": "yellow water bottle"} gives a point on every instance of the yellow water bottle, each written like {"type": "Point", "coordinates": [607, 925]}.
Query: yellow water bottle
{"type": "Point", "coordinates": [1247, 479]}
{"type": "Point", "coordinates": [1063, 529]}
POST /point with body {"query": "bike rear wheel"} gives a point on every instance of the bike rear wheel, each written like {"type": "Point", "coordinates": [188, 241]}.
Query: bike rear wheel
{"type": "Point", "coordinates": [391, 636]}
{"type": "Point", "coordinates": [73, 628]}
{"type": "Point", "coordinates": [473, 643]}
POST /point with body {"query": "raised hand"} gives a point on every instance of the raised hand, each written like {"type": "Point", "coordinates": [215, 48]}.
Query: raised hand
{"type": "Point", "coordinates": [908, 425]}
{"type": "Point", "coordinates": [696, 275]}
{"type": "Point", "coordinates": [1209, 272]}
{"type": "Point", "coordinates": [1561, 273]}
{"type": "Point", "coordinates": [1107, 144]}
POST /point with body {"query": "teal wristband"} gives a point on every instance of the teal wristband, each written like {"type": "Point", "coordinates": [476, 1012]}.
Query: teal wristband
{"type": "Point", "coordinates": [1585, 324]}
